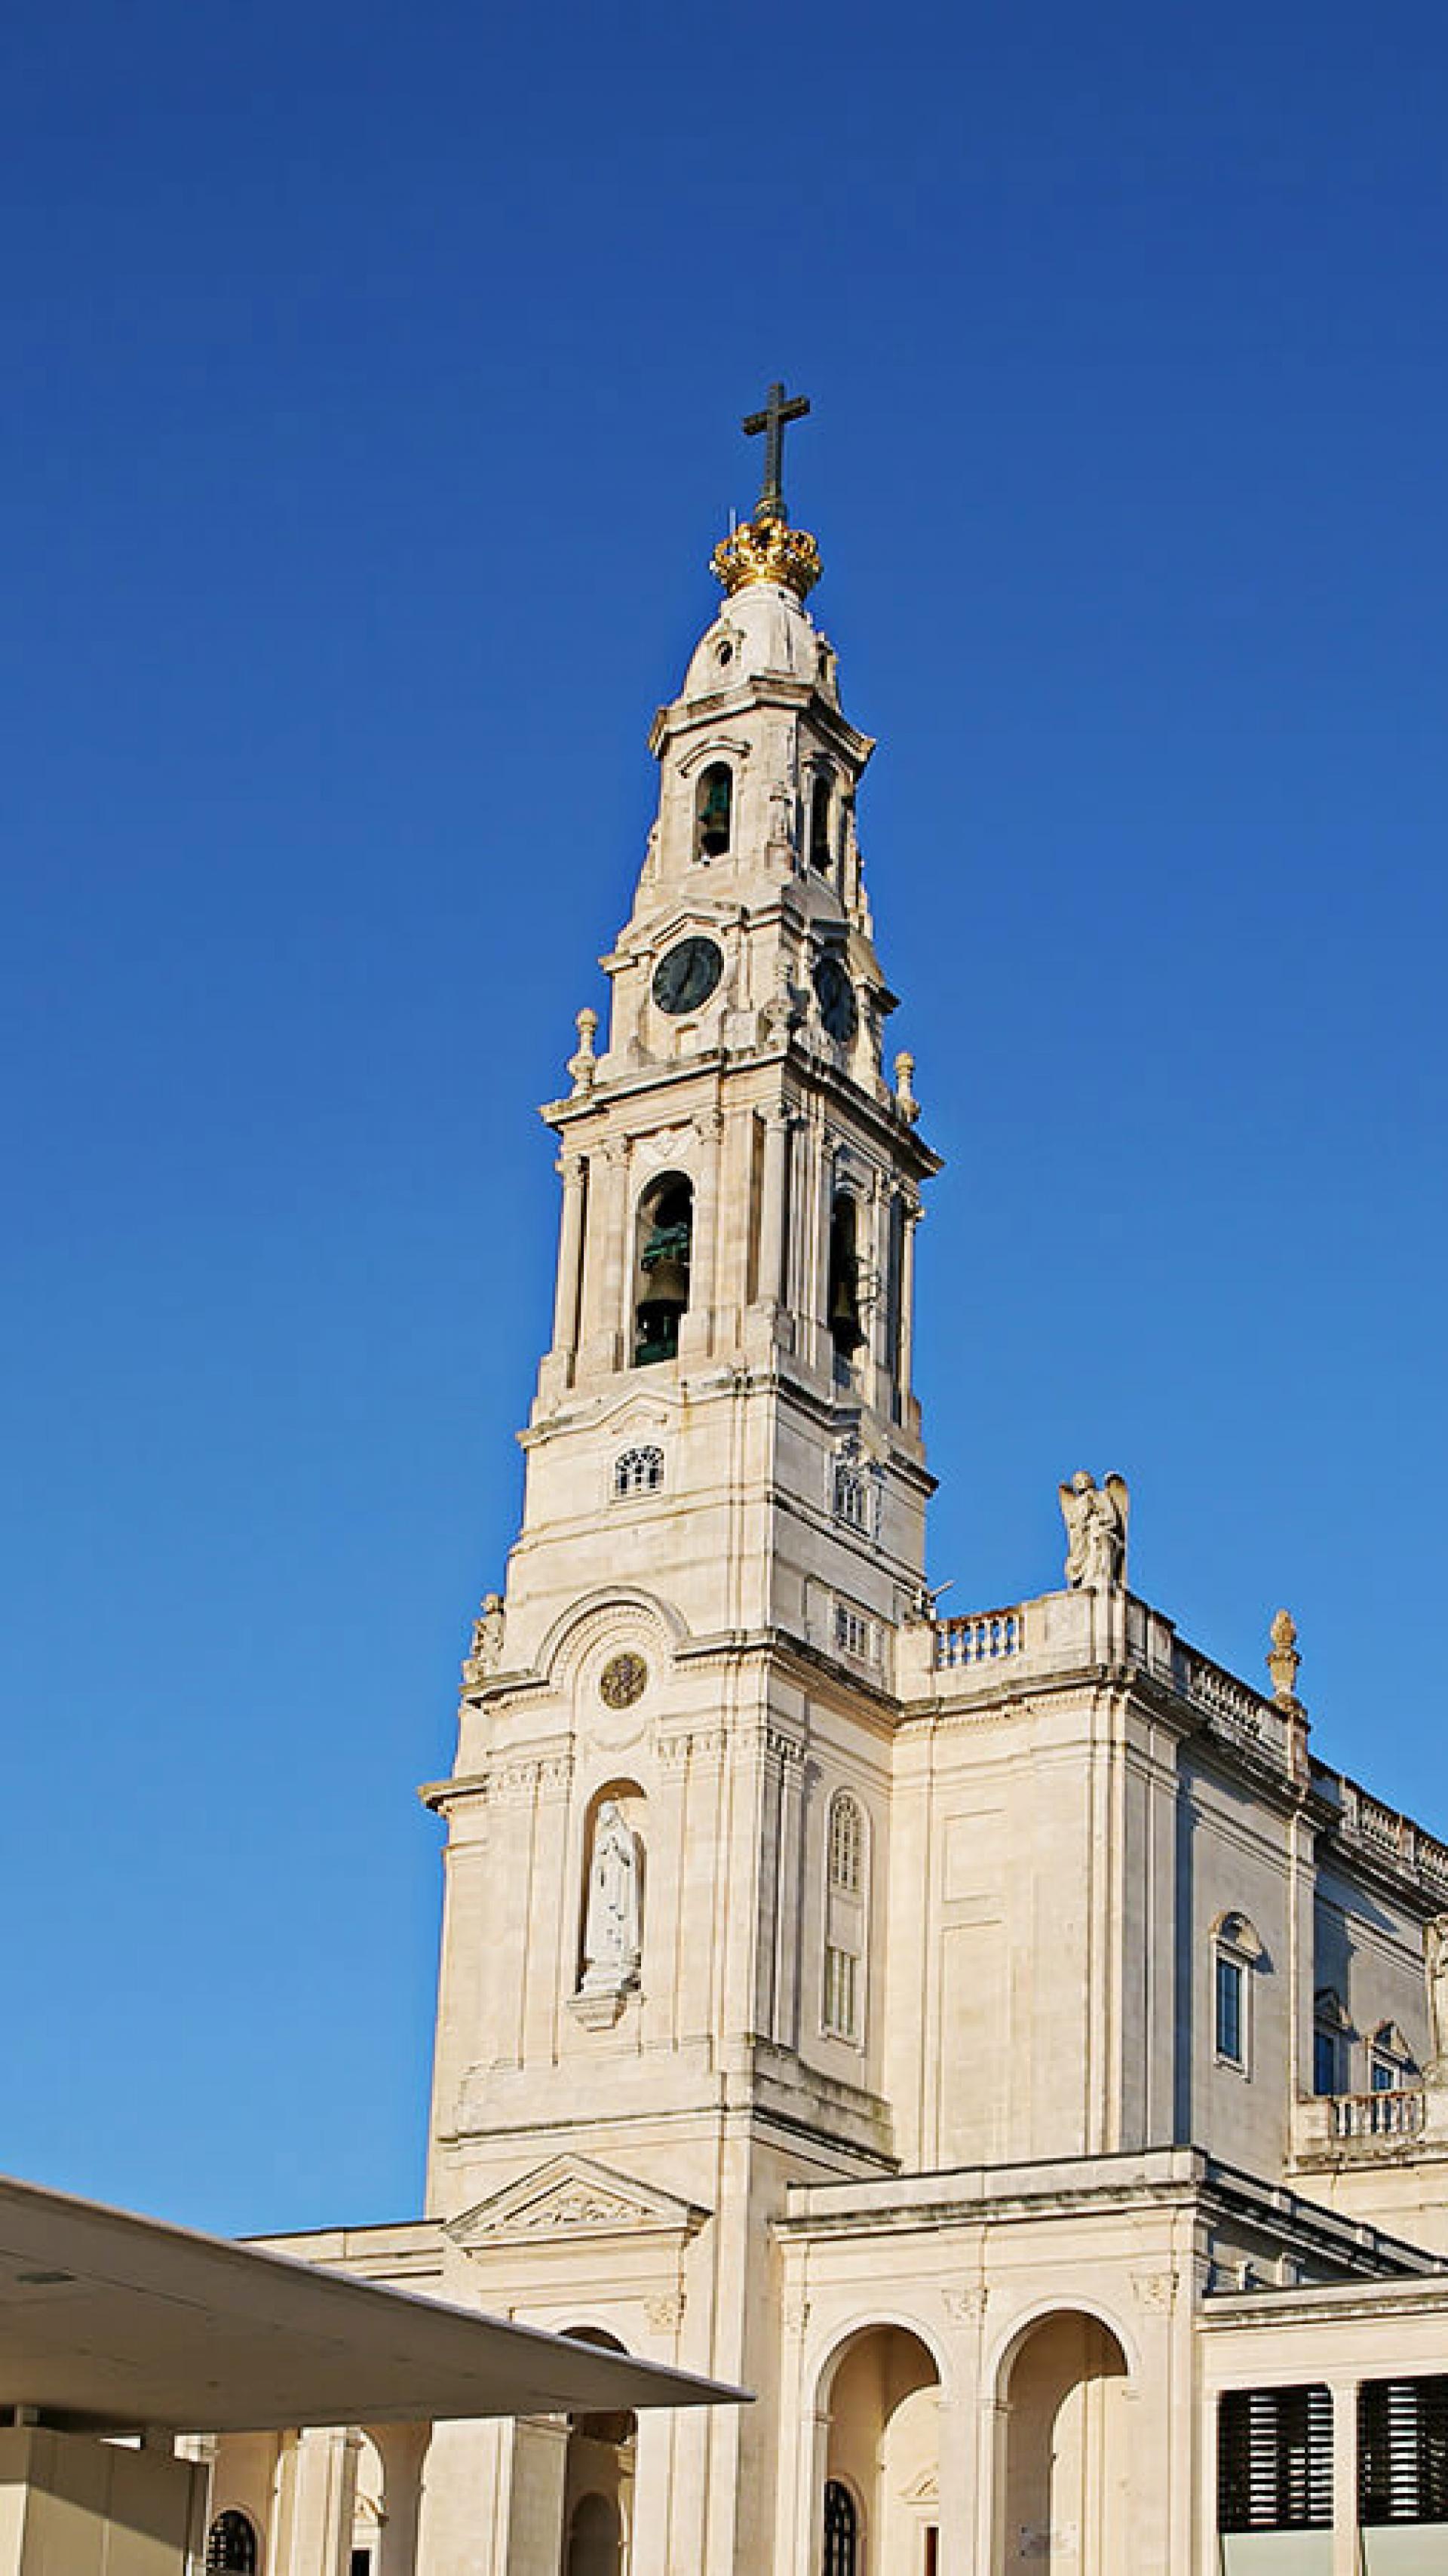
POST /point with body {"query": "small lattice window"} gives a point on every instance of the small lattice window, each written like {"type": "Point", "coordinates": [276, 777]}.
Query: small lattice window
{"type": "Point", "coordinates": [231, 2546]}
{"type": "Point", "coordinates": [841, 2005]}
{"type": "Point", "coordinates": [847, 1843]}
{"type": "Point", "coordinates": [852, 1496]}
{"type": "Point", "coordinates": [638, 1471]}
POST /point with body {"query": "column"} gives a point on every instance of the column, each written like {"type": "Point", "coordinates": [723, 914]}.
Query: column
{"type": "Point", "coordinates": [323, 2481]}
{"type": "Point", "coordinates": [910, 1212]}
{"type": "Point", "coordinates": [608, 1174]}
{"type": "Point", "coordinates": [467, 2484]}
{"type": "Point", "coordinates": [657, 2548]}
{"type": "Point", "coordinates": [879, 1310]}
{"type": "Point", "coordinates": [402, 2449]}
{"type": "Point", "coordinates": [569, 1287]}
{"type": "Point", "coordinates": [695, 1328]}
{"type": "Point", "coordinates": [817, 1289]}
{"type": "Point", "coordinates": [774, 1195]}
{"type": "Point", "coordinates": [536, 2536]}
{"type": "Point", "coordinates": [1345, 2554]}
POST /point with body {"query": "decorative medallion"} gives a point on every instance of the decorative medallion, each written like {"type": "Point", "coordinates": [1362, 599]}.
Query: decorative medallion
{"type": "Point", "coordinates": [623, 1680]}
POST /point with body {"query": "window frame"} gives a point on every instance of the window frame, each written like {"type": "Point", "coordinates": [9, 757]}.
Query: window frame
{"type": "Point", "coordinates": [635, 1490]}
{"type": "Point", "coordinates": [1229, 1978]}
{"type": "Point", "coordinates": [1237, 1950]}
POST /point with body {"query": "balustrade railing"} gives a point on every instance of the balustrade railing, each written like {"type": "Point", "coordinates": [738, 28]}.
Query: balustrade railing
{"type": "Point", "coordinates": [986, 1637]}
{"type": "Point", "coordinates": [1377, 2115]}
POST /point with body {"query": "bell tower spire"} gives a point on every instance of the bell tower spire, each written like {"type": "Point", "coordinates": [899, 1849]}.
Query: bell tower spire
{"type": "Point", "coordinates": [724, 1511]}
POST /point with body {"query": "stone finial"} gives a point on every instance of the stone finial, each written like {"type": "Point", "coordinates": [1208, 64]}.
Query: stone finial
{"type": "Point", "coordinates": [905, 1100]}
{"type": "Point", "coordinates": [584, 1065]}
{"type": "Point", "coordinates": [1283, 1660]}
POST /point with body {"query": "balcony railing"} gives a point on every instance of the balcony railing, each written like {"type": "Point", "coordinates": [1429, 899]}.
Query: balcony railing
{"type": "Point", "coordinates": [984, 1638]}
{"type": "Point", "coordinates": [1377, 2115]}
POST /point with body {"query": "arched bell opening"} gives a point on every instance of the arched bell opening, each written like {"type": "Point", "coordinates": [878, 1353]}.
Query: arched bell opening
{"type": "Point", "coordinates": [714, 811]}
{"type": "Point", "coordinates": [821, 826]}
{"type": "Point", "coordinates": [1066, 2491]}
{"type": "Point", "coordinates": [598, 2482]}
{"type": "Point", "coordinates": [664, 1249]}
{"type": "Point", "coordinates": [842, 1309]}
{"type": "Point", "coordinates": [881, 2504]}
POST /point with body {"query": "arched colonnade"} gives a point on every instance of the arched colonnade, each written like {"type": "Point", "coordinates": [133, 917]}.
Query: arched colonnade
{"type": "Point", "coordinates": [910, 2474]}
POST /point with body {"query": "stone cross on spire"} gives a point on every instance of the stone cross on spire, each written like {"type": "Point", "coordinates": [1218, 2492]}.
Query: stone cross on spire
{"type": "Point", "coordinates": [777, 411]}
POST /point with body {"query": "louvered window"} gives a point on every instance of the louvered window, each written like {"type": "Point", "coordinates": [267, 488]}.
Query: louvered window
{"type": "Point", "coordinates": [1403, 2450]}
{"type": "Point", "coordinates": [1274, 2460]}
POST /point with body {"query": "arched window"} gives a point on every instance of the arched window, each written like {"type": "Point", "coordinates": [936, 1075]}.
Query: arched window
{"type": "Point", "coordinates": [842, 2531]}
{"type": "Point", "coordinates": [842, 2002]}
{"type": "Point", "coordinates": [821, 851]}
{"type": "Point", "coordinates": [1237, 1950]}
{"type": "Point", "coordinates": [714, 811]}
{"type": "Point", "coordinates": [638, 1471]}
{"type": "Point", "coordinates": [665, 1246]}
{"type": "Point", "coordinates": [847, 1842]}
{"type": "Point", "coordinates": [231, 2548]}
{"type": "Point", "coordinates": [843, 1308]}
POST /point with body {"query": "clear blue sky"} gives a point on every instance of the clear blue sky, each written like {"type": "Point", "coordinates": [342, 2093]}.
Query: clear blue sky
{"type": "Point", "coordinates": [372, 387]}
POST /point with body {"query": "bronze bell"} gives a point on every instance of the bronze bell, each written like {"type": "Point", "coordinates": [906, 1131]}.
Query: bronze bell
{"type": "Point", "coordinates": [668, 1282]}
{"type": "Point", "coordinates": [665, 1262]}
{"type": "Point", "coordinates": [844, 1316]}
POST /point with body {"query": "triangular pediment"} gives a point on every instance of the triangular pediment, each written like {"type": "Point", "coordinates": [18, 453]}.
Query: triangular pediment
{"type": "Point", "coordinates": [569, 2197]}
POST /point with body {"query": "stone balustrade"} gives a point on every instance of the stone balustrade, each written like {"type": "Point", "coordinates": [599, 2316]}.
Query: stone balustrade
{"type": "Point", "coordinates": [1329, 2127]}
{"type": "Point", "coordinates": [1398, 2114]}
{"type": "Point", "coordinates": [1061, 1634]}
{"type": "Point", "coordinates": [983, 1637]}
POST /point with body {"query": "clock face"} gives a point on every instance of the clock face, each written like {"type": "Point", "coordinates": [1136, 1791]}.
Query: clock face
{"type": "Point", "coordinates": [684, 980]}
{"type": "Point", "coordinates": [836, 998]}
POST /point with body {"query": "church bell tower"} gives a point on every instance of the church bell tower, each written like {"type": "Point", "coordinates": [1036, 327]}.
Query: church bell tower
{"type": "Point", "coordinates": [689, 1668]}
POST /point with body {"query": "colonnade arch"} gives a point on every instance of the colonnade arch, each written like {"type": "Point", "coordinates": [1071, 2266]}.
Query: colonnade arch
{"type": "Point", "coordinates": [598, 2482]}
{"type": "Point", "coordinates": [878, 2512]}
{"type": "Point", "coordinates": [1062, 2471]}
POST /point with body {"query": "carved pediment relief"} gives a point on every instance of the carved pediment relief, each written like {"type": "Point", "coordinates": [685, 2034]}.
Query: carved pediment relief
{"type": "Point", "coordinates": [569, 2197]}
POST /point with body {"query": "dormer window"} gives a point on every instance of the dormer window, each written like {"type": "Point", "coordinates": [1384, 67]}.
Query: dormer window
{"type": "Point", "coordinates": [821, 850]}
{"type": "Point", "coordinates": [714, 811]}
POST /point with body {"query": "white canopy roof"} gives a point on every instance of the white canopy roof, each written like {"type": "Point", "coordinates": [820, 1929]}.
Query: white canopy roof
{"type": "Point", "coordinates": [109, 2323]}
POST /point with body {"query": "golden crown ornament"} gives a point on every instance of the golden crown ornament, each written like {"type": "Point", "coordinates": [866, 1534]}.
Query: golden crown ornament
{"type": "Point", "coordinates": [767, 549]}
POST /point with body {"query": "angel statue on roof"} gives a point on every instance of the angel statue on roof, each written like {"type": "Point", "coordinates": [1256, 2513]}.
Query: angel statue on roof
{"type": "Point", "coordinates": [1095, 1518]}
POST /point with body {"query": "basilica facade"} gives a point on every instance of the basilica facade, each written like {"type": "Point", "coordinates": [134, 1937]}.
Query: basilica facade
{"type": "Point", "coordinates": [998, 2042]}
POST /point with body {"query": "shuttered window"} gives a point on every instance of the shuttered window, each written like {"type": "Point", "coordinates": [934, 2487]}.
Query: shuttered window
{"type": "Point", "coordinates": [1403, 2450]}
{"type": "Point", "coordinates": [1274, 2460]}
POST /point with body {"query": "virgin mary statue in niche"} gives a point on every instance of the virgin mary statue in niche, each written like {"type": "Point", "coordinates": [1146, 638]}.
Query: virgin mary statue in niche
{"type": "Point", "coordinates": [611, 1930]}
